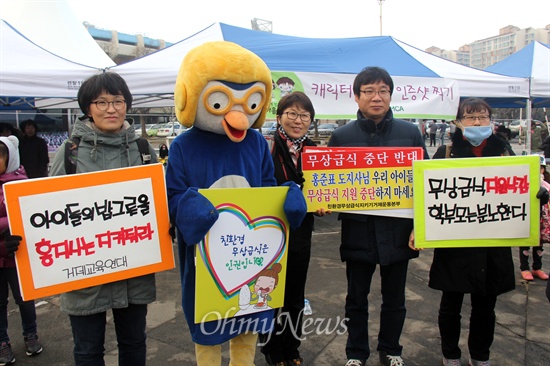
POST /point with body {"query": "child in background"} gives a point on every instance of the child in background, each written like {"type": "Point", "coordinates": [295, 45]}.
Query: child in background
{"type": "Point", "coordinates": [544, 237]}
{"type": "Point", "coordinates": [163, 154]}
{"type": "Point", "coordinates": [11, 170]}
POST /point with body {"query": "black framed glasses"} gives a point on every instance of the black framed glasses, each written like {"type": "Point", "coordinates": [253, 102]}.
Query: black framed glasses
{"type": "Point", "coordinates": [103, 105]}
{"type": "Point", "coordinates": [384, 93]}
{"type": "Point", "coordinates": [306, 117]}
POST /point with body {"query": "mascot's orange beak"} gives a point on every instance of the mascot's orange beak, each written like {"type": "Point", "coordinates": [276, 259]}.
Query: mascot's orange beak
{"type": "Point", "coordinates": [235, 125]}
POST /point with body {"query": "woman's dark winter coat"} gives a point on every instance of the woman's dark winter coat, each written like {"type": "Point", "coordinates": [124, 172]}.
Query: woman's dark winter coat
{"type": "Point", "coordinates": [482, 271]}
{"type": "Point", "coordinates": [285, 171]}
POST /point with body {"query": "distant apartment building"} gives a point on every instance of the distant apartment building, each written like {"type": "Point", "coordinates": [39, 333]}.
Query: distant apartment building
{"type": "Point", "coordinates": [446, 54]}
{"type": "Point", "coordinates": [463, 55]}
{"type": "Point", "coordinates": [486, 52]}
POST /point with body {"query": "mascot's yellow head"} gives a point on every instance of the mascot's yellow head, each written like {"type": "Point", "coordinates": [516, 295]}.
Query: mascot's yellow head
{"type": "Point", "coordinates": [223, 88]}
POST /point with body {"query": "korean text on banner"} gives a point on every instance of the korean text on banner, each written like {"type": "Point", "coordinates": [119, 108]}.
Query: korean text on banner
{"type": "Point", "coordinates": [476, 202]}
{"type": "Point", "coordinates": [359, 179]}
{"type": "Point", "coordinates": [87, 229]}
{"type": "Point", "coordinates": [333, 98]}
{"type": "Point", "coordinates": [241, 262]}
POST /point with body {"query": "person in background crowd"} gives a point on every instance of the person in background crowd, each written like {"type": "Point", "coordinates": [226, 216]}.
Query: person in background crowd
{"type": "Point", "coordinates": [537, 250]}
{"type": "Point", "coordinates": [107, 141]}
{"type": "Point", "coordinates": [442, 131]}
{"type": "Point", "coordinates": [484, 273]}
{"type": "Point", "coordinates": [546, 148]}
{"type": "Point", "coordinates": [433, 132]}
{"type": "Point", "coordinates": [34, 151]}
{"type": "Point", "coordinates": [294, 115]}
{"type": "Point", "coordinates": [163, 153]}
{"type": "Point", "coordinates": [371, 240]}
{"type": "Point", "coordinates": [11, 170]}
{"type": "Point", "coordinates": [544, 130]}
{"type": "Point", "coordinates": [424, 129]}
{"type": "Point", "coordinates": [539, 132]}
{"type": "Point", "coordinates": [6, 129]}
{"type": "Point", "coordinates": [505, 134]}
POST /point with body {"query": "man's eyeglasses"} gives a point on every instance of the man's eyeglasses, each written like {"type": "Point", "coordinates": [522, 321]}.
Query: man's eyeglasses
{"type": "Point", "coordinates": [384, 93]}
{"type": "Point", "coordinates": [103, 105]}
{"type": "Point", "coordinates": [472, 119]}
{"type": "Point", "coordinates": [293, 115]}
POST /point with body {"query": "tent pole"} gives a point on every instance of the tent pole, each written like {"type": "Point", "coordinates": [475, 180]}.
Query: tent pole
{"type": "Point", "coordinates": [528, 126]}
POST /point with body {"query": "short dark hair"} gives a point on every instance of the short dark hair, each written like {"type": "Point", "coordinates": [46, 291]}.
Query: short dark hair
{"type": "Point", "coordinates": [27, 123]}
{"type": "Point", "coordinates": [7, 126]}
{"type": "Point", "coordinates": [371, 75]}
{"type": "Point", "coordinates": [505, 131]}
{"type": "Point", "coordinates": [108, 82]}
{"type": "Point", "coordinates": [296, 98]}
{"type": "Point", "coordinates": [472, 105]}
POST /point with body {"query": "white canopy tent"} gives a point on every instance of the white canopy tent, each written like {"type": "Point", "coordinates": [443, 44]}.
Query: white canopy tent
{"type": "Point", "coordinates": [321, 65]}
{"type": "Point", "coordinates": [533, 63]}
{"type": "Point", "coordinates": [329, 62]}
{"type": "Point", "coordinates": [29, 71]}
{"type": "Point", "coordinates": [53, 25]}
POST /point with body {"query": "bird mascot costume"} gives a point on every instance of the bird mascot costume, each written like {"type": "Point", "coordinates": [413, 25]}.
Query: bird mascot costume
{"type": "Point", "coordinates": [223, 92]}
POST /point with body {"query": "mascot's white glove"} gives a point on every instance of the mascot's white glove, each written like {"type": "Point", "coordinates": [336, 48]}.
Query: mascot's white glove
{"type": "Point", "coordinates": [295, 206]}
{"type": "Point", "coordinates": [196, 216]}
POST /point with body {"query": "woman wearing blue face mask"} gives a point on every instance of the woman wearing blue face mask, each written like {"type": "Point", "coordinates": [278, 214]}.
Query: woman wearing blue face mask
{"type": "Point", "coordinates": [484, 273]}
{"type": "Point", "coordinates": [474, 134]}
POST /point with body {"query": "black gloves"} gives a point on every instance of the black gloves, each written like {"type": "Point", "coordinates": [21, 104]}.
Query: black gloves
{"type": "Point", "coordinates": [11, 242]}
{"type": "Point", "coordinates": [543, 196]}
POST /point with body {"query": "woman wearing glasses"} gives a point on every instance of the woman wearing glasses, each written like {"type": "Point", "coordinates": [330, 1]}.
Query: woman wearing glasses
{"type": "Point", "coordinates": [106, 142]}
{"type": "Point", "coordinates": [484, 273]}
{"type": "Point", "coordinates": [294, 115]}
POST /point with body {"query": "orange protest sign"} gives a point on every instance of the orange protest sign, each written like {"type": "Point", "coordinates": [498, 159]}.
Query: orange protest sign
{"type": "Point", "coordinates": [87, 229]}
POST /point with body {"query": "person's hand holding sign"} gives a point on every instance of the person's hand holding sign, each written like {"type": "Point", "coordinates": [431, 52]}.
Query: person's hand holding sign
{"type": "Point", "coordinates": [11, 242]}
{"type": "Point", "coordinates": [411, 242]}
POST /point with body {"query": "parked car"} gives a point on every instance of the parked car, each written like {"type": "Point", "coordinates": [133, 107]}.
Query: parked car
{"type": "Point", "coordinates": [138, 128]}
{"type": "Point", "coordinates": [519, 124]}
{"type": "Point", "coordinates": [152, 132]}
{"type": "Point", "coordinates": [515, 125]}
{"type": "Point", "coordinates": [170, 129]}
{"type": "Point", "coordinates": [269, 128]}
{"type": "Point", "coordinates": [325, 129]}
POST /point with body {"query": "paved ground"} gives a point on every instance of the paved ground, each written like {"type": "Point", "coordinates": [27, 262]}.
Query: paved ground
{"type": "Point", "coordinates": [522, 336]}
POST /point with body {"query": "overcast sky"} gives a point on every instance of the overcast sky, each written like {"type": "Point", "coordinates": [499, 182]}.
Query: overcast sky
{"type": "Point", "coordinates": [447, 24]}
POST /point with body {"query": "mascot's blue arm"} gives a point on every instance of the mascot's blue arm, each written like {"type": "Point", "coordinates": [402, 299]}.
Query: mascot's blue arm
{"type": "Point", "coordinates": [192, 213]}
{"type": "Point", "coordinates": [295, 206]}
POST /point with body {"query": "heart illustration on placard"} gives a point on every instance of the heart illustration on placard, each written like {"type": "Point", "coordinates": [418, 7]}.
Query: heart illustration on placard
{"type": "Point", "coordinates": [237, 247]}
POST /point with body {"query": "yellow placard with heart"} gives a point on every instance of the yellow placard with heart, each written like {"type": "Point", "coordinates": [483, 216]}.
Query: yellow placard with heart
{"type": "Point", "coordinates": [241, 262]}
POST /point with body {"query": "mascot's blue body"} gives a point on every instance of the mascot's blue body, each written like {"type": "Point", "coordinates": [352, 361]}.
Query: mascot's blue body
{"type": "Point", "coordinates": [195, 161]}
{"type": "Point", "coordinates": [223, 91]}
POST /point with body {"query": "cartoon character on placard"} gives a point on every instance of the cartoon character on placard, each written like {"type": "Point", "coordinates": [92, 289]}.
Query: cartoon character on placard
{"type": "Point", "coordinates": [223, 91]}
{"type": "Point", "coordinates": [266, 282]}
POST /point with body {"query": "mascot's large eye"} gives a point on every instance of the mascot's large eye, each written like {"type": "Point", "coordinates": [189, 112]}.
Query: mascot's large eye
{"type": "Point", "coordinates": [255, 99]}
{"type": "Point", "coordinates": [218, 102]}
